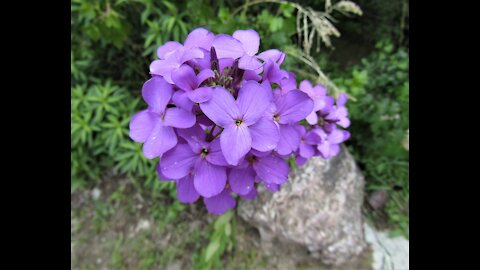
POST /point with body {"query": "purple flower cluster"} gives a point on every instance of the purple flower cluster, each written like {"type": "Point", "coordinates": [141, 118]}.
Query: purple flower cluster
{"type": "Point", "coordinates": [224, 118]}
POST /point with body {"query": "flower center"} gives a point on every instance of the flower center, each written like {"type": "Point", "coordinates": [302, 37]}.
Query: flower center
{"type": "Point", "coordinates": [252, 159]}
{"type": "Point", "coordinates": [275, 117]}
{"type": "Point", "coordinates": [238, 122]}
{"type": "Point", "coordinates": [204, 152]}
{"type": "Point", "coordinates": [321, 121]}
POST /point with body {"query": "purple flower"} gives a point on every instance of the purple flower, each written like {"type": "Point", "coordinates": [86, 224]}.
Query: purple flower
{"type": "Point", "coordinates": [154, 126]}
{"type": "Point", "coordinates": [330, 142]}
{"type": "Point", "coordinates": [267, 167]}
{"type": "Point", "coordinates": [186, 191]}
{"type": "Point", "coordinates": [242, 44]}
{"type": "Point", "coordinates": [173, 54]}
{"type": "Point", "coordinates": [221, 203]}
{"type": "Point", "coordinates": [272, 187]}
{"type": "Point", "coordinates": [198, 159]}
{"type": "Point", "coordinates": [186, 79]}
{"type": "Point", "coordinates": [287, 111]}
{"type": "Point", "coordinates": [241, 120]}
{"type": "Point", "coordinates": [274, 55]}
{"type": "Point", "coordinates": [273, 74]}
{"type": "Point", "coordinates": [220, 129]}
{"type": "Point", "coordinates": [287, 84]}
{"type": "Point", "coordinates": [250, 196]}
{"type": "Point", "coordinates": [308, 143]}
{"type": "Point", "coordinates": [339, 113]}
{"type": "Point", "coordinates": [322, 102]}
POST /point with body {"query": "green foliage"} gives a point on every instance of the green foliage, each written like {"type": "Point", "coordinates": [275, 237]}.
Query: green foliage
{"type": "Point", "coordinates": [221, 240]}
{"type": "Point", "coordinates": [379, 119]}
{"type": "Point", "coordinates": [381, 20]}
{"type": "Point", "coordinates": [100, 114]}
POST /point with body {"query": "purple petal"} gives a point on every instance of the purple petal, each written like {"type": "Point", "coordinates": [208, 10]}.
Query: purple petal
{"type": "Point", "coordinates": [160, 141]}
{"type": "Point", "coordinates": [179, 118]}
{"type": "Point", "coordinates": [142, 124]}
{"type": "Point", "coordinates": [181, 100]}
{"type": "Point", "coordinates": [306, 87]}
{"type": "Point", "coordinates": [228, 47]}
{"type": "Point", "coordinates": [249, 39]}
{"type": "Point", "coordinates": [265, 134]}
{"type": "Point", "coordinates": [221, 108]}
{"type": "Point", "coordinates": [204, 120]}
{"type": "Point", "coordinates": [190, 54]}
{"type": "Point", "coordinates": [274, 74]}
{"type": "Point", "coordinates": [250, 196]}
{"type": "Point", "coordinates": [273, 55]}
{"type": "Point", "coordinates": [293, 107]}
{"type": "Point", "coordinates": [289, 140]}
{"type": "Point", "coordinates": [168, 77]}
{"type": "Point", "coordinates": [334, 150]}
{"type": "Point", "coordinates": [312, 118]}
{"type": "Point", "coordinates": [320, 132]}
{"type": "Point", "coordinates": [319, 103]}
{"type": "Point", "coordinates": [220, 204]}
{"type": "Point", "coordinates": [343, 121]}
{"type": "Point", "coordinates": [203, 75]}
{"type": "Point", "coordinates": [272, 169]}
{"type": "Point", "coordinates": [241, 180]}
{"type": "Point", "coordinates": [259, 153]}
{"type": "Point", "coordinates": [178, 162]}
{"type": "Point", "coordinates": [251, 75]}
{"type": "Point", "coordinates": [195, 137]}
{"type": "Point", "coordinates": [306, 150]}
{"type": "Point", "coordinates": [299, 160]}
{"type": "Point", "coordinates": [253, 99]}
{"type": "Point", "coordinates": [201, 94]}
{"type": "Point", "coordinates": [199, 37]}
{"type": "Point", "coordinates": [328, 104]}
{"type": "Point", "coordinates": [272, 187]}
{"type": "Point", "coordinates": [184, 77]}
{"type": "Point", "coordinates": [224, 63]}
{"type": "Point", "coordinates": [324, 149]}
{"type": "Point", "coordinates": [319, 90]}
{"type": "Point", "coordinates": [289, 83]}
{"type": "Point", "coordinates": [336, 136]}
{"type": "Point", "coordinates": [162, 177]}
{"type": "Point", "coordinates": [209, 179]}
{"type": "Point", "coordinates": [164, 67]}
{"type": "Point", "coordinates": [235, 142]}
{"type": "Point", "coordinates": [312, 138]}
{"type": "Point", "coordinates": [157, 93]}
{"type": "Point", "coordinates": [215, 155]}
{"type": "Point", "coordinates": [341, 100]}
{"type": "Point", "coordinates": [301, 130]}
{"type": "Point", "coordinates": [186, 192]}
{"type": "Point", "coordinates": [248, 62]}
{"type": "Point", "coordinates": [168, 48]}
{"type": "Point", "coordinates": [201, 63]}
{"type": "Point", "coordinates": [316, 93]}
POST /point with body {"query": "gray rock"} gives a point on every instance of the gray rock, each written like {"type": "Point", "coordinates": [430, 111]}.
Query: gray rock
{"type": "Point", "coordinates": [388, 253]}
{"type": "Point", "coordinates": [318, 209]}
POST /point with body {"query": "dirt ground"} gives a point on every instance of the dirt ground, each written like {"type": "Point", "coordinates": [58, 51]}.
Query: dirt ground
{"type": "Point", "coordinates": [117, 226]}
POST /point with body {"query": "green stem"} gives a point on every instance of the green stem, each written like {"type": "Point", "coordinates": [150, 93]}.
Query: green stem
{"type": "Point", "coordinates": [218, 134]}
{"type": "Point", "coordinates": [213, 127]}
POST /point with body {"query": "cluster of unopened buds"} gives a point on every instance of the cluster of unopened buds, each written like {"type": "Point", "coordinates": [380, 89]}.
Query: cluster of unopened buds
{"type": "Point", "coordinates": [225, 119]}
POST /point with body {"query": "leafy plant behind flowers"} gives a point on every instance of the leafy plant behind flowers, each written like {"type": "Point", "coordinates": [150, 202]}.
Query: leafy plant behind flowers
{"type": "Point", "coordinates": [380, 122]}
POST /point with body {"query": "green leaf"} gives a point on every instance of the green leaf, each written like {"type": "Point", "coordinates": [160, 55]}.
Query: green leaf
{"type": "Point", "coordinates": [212, 249]}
